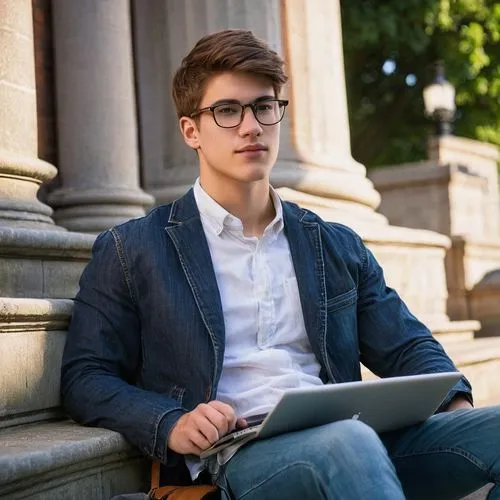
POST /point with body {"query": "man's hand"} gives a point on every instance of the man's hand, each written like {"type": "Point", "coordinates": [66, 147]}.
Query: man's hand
{"type": "Point", "coordinates": [197, 430]}
{"type": "Point", "coordinates": [458, 402]}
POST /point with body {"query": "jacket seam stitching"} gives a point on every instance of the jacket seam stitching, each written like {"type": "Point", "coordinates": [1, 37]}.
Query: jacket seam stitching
{"type": "Point", "coordinates": [324, 326]}
{"type": "Point", "coordinates": [364, 262]}
{"type": "Point", "coordinates": [121, 256]}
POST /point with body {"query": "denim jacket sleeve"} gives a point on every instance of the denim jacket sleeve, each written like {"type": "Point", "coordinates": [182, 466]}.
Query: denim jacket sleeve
{"type": "Point", "coordinates": [102, 357]}
{"type": "Point", "coordinates": [392, 341]}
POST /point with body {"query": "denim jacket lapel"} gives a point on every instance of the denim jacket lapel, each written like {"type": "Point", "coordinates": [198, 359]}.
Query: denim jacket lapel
{"type": "Point", "coordinates": [186, 232]}
{"type": "Point", "coordinates": [304, 239]}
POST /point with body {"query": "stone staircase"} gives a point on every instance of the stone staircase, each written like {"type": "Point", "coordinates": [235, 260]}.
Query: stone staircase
{"type": "Point", "coordinates": [60, 460]}
{"type": "Point", "coordinates": [479, 361]}
{"type": "Point", "coordinates": [43, 456]}
{"type": "Point", "coordinates": [477, 358]}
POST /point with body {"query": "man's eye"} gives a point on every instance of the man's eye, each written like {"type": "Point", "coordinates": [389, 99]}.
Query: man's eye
{"type": "Point", "coordinates": [227, 110]}
{"type": "Point", "coordinates": [264, 106]}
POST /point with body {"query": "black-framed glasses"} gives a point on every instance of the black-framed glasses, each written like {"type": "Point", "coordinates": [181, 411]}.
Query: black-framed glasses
{"type": "Point", "coordinates": [230, 114]}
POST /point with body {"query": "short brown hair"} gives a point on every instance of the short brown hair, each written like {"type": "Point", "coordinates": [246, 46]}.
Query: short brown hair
{"type": "Point", "coordinates": [228, 50]}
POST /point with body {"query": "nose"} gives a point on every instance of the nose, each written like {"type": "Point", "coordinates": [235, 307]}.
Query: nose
{"type": "Point", "coordinates": [249, 124]}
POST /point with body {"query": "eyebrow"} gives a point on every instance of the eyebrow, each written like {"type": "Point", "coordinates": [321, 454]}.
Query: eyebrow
{"type": "Point", "coordinates": [235, 101]}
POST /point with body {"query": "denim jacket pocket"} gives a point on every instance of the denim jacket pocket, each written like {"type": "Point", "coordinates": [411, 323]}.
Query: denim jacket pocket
{"type": "Point", "coordinates": [341, 341]}
{"type": "Point", "coordinates": [343, 300]}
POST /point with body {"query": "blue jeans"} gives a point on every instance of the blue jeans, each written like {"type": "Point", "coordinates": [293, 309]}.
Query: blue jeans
{"type": "Point", "coordinates": [447, 457]}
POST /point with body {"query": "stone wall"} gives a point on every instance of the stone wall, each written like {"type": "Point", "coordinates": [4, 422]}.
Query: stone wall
{"type": "Point", "coordinates": [455, 193]}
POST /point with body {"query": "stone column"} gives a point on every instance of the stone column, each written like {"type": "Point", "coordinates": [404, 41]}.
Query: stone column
{"type": "Point", "coordinates": [21, 171]}
{"type": "Point", "coordinates": [96, 116]}
{"type": "Point", "coordinates": [315, 159]}
{"type": "Point", "coordinates": [40, 263]}
{"type": "Point", "coordinates": [165, 32]}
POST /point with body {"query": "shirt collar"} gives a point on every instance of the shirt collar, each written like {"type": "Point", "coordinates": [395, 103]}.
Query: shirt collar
{"type": "Point", "coordinates": [219, 218]}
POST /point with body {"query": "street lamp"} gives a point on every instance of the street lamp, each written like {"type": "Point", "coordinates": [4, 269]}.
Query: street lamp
{"type": "Point", "coordinates": [439, 101]}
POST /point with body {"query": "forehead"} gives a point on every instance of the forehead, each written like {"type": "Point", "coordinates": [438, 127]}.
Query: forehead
{"type": "Point", "coordinates": [243, 87]}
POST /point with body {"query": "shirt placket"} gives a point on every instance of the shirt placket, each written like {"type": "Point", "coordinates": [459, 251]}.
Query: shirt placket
{"type": "Point", "coordinates": [263, 280]}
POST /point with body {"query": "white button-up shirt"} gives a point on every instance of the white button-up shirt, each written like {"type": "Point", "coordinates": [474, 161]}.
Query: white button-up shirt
{"type": "Point", "coordinates": [266, 348]}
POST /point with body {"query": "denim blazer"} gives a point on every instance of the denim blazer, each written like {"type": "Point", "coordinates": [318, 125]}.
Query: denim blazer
{"type": "Point", "coordinates": [146, 339]}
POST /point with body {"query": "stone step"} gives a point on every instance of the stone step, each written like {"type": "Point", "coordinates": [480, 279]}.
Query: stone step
{"type": "Point", "coordinates": [34, 330]}
{"type": "Point", "coordinates": [452, 332]}
{"type": "Point", "coordinates": [479, 361]}
{"type": "Point", "coordinates": [476, 351]}
{"type": "Point", "coordinates": [41, 264]}
{"type": "Point", "coordinates": [62, 460]}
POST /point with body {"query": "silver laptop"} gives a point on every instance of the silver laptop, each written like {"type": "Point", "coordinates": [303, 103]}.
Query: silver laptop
{"type": "Point", "coordinates": [384, 404]}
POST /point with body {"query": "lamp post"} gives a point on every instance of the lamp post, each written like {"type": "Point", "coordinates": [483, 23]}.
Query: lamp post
{"type": "Point", "coordinates": [439, 101]}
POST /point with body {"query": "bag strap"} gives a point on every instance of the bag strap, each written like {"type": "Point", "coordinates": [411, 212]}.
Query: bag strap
{"type": "Point", "coordinates": [155, 475]}
{"type": "Point", "coordinates": [195, 492]}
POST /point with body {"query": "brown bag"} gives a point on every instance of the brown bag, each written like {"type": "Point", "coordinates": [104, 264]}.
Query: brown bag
{"type": "Point", "coordinates": [195, 492]}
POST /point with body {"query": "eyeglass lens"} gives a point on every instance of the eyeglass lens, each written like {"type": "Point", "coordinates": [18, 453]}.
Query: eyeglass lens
{"type": "Point", "coordinates": [266, 113]}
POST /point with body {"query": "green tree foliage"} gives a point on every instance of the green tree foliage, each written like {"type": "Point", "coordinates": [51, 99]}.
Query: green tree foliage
{"type": "Point", "coordinates": [386, 108]}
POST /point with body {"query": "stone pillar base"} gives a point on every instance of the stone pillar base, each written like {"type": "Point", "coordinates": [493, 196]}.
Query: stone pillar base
{"type": "Point", "coordinates": [20, 179]}
{"type": "Point", "coordinates": [326, 182]}
{"type": "Point", "coordinates": [94, 210]}
{"type": "Point", "coordinates": [344, 210]}
{"type": "Point", "coordinates": [167, 194]}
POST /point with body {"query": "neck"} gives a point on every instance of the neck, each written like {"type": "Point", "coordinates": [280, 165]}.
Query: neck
{"type": "Point", "coordinates": [249, 201]}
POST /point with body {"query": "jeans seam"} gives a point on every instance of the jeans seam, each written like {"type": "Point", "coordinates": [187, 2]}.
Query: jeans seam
{"type": "Point", "coordinates": [457, 451]}
{"type": "Point", "coordinates": [279, 471]}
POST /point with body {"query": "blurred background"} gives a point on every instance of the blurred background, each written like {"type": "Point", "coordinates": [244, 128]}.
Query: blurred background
{"type": "Point", "coordinates": [390, 49]}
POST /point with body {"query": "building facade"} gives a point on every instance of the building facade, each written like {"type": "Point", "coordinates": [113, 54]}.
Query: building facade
{"type": "Point", "coordinates": [88, 139]}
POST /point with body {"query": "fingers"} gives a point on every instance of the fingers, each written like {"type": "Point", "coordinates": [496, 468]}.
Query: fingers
{"type": "Point", "coordinates": [180, 437]}
{"type": "Point", "coordinates": [210, 423]}
{"type": "Point", "coordinates": [199, 429]}
{"type": "Point", "coordinates": [220, 415]}
{"type": "Point", "coordinates": [188, 434]}
{"type": "Point", "coordinates": [197, 437]}
{"type": "Point", "coordinates": [228, 413]}
{"type": "Point", "coordinates": [241, 423]}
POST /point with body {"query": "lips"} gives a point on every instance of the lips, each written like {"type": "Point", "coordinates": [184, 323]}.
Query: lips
{"type": "Point", "coordinates": [252, 147]}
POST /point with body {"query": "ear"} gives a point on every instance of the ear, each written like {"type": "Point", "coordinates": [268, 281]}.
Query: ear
{"type": "Point", "coordinates": [190, 132]}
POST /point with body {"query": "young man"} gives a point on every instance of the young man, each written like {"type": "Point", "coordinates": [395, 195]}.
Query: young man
{"type": "Point", "coordinates": [207, 309]}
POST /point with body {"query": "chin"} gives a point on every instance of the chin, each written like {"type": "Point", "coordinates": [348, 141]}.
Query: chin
{"type": "Point", "coordinates": [243, 171]}
{"type": "Point", "coordinates": [254, 173]}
